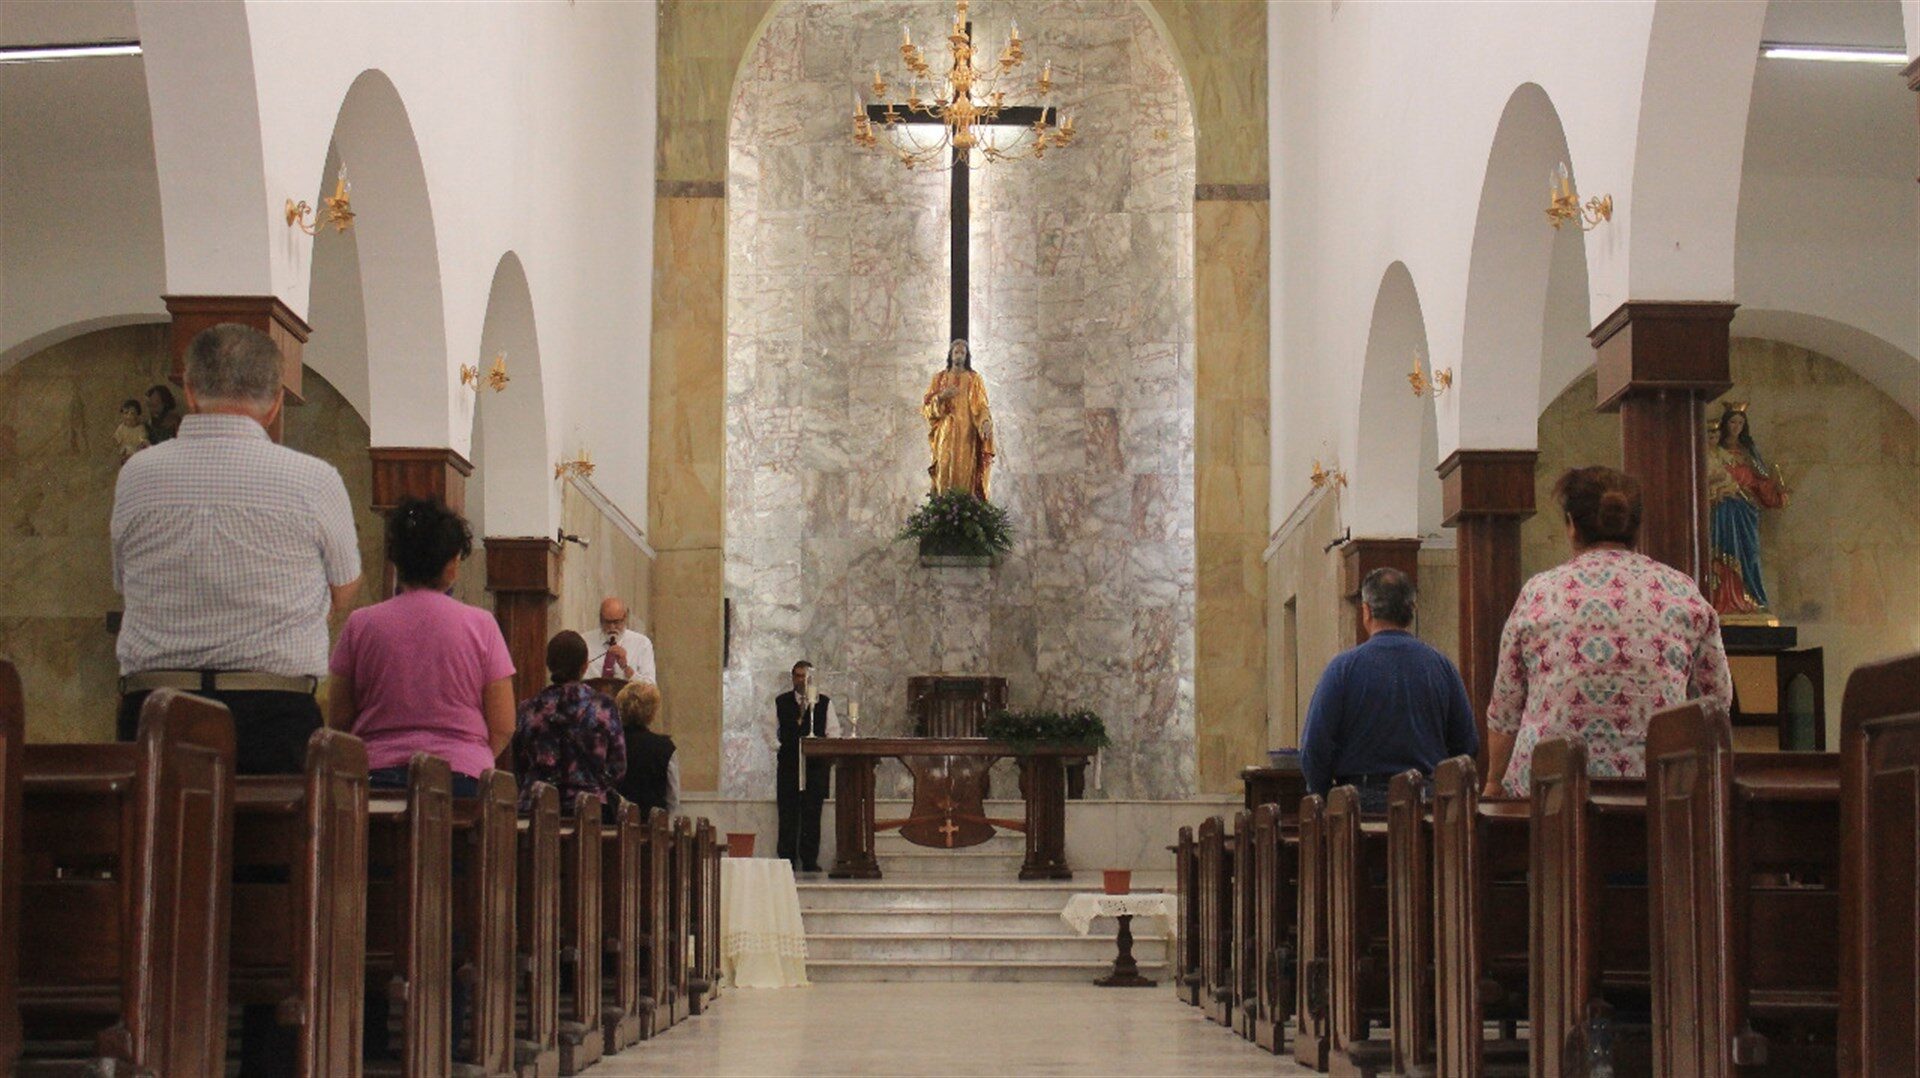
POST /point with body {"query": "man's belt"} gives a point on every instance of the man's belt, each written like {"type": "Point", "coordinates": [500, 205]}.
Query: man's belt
{"type": "Point", "coordinates": [217, 681]}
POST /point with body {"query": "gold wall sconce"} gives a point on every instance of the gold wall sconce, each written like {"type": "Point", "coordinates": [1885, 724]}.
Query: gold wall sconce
{"type": "Point", "coordinates": [1436, 387]}
{"type": "Point", "coordinates": [495, 379]}
{"type": "Point", "coordinates": [1564, 206]}
{"type": "Point", "coordinates": [1320, 477]}
{"type": "Point", "coordinates": [579, 467]}
{"type": "Point", "coordinates": [337, 209]}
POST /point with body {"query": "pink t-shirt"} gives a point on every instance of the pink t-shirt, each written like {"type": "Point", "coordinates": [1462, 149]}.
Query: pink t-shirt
{"type": "Point", "coordinates": [418, 663]}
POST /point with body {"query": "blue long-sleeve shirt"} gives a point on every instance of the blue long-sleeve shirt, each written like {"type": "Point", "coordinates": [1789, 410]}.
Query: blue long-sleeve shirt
{"type": "Point", "coordinates": [1390, 704]}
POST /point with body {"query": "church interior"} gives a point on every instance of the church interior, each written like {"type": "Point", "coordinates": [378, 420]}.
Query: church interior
{"type": "Point", "coordinates": [1001, 428]}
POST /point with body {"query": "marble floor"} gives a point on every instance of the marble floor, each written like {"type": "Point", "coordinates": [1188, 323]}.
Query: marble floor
{"type": "Point", "coordinates": [948, 1029]}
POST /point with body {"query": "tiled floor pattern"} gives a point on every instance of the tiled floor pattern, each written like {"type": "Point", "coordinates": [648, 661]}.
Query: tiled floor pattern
{"type": "Point", "coordinates": [1001, 1030]}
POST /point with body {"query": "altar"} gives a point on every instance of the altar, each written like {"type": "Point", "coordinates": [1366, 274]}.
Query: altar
{"type": "Point", "coordinates": [949, 795]}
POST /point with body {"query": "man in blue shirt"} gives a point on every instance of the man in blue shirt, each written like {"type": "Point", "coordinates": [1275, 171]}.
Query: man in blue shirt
{"type": "Point", "coordinates": [1391, 704]}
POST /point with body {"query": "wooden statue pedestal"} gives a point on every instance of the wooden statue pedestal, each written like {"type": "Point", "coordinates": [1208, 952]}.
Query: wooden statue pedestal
{"type": "Point", "coordinates": [949, 794]}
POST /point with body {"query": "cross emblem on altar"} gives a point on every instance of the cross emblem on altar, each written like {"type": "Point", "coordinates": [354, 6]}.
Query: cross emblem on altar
{"type": "Point", "coordinates": [949, 829]}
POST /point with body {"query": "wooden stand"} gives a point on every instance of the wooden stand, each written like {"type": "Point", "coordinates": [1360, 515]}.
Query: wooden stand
{"type": "Point", "coordinates": [1126, 972]}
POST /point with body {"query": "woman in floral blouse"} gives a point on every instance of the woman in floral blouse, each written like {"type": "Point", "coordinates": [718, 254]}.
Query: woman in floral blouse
{"type": "Point", "coordinates": [567, 735]}
{"type": "Point", "coordinates": [1597, 645]}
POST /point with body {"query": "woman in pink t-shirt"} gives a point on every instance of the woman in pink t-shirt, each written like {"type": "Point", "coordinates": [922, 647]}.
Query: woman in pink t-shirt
{"type": "Point", "coordinates": [422, 671]}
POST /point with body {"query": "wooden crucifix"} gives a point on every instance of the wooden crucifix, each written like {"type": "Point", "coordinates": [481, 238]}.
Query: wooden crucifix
{"type": "Point", "coordinates": [959, 217]}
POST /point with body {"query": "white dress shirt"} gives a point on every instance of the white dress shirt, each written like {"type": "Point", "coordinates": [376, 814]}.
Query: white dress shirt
{"type": "Point", "coordinates": [639, 664]}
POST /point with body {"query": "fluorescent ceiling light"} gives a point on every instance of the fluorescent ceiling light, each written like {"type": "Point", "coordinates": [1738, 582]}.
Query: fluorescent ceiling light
{"type": "Point", "coordinates": [1845, 54]}
{"type": "Point", "coordinates": [38, 54]}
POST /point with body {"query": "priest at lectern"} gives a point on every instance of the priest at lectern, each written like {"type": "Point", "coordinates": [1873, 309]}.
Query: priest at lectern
{"type": "Point", "coordinates": [802, 792]}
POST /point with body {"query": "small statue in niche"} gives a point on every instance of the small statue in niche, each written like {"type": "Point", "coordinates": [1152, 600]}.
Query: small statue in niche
{"type": "Point", "coordinates": [131, 433]}
{"type": "Point", "coordinates": [1740, 484]}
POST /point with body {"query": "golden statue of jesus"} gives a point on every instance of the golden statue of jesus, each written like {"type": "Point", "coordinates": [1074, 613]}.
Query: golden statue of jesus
{"type": "Point", "coordinates": [959, 426]}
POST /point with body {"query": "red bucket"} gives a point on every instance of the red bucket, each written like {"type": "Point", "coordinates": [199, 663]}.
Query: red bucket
{"type": "Point", "coordinates": [1118, 881]}
{"type": "Point", "coordinates": [740, 844]}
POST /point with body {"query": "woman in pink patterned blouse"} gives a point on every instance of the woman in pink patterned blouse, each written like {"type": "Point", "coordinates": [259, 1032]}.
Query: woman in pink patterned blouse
{"type": "Point", "coordinates": [1597, 645]}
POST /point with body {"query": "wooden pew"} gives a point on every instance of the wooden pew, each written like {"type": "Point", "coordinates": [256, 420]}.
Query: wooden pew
{"type": "Point", "coordinates": [1743, 871]}
{"type": "Point", "coordinates": [680, 919]}
{"type": "Point", "coordinates": [1246, 958]}
{"type": "Point", "coordinates": [1589, 956]}
{"type": "Point", "coordinates": [626, 1013]}
{"type": "Point", "coordinates": [537, 932]}
{"type": "Point", "coordinates": [409, 907]}
{"type": "Point", "coordinates": [1357, 990]}
{"type": "Point", "coordinates": [1480, 911]}
{"type": "Point", "coordinates": [656, 930]}
{"type": "Point", "coordinates": [582, 942]}
{"type": "Point", "coordinates": [704, 980]}
{"type": "Point", "coordinates": [124, 852]}
{"type": "Point", "coordinates": [1311, 1019]}
{"type": "Point", "coordinates": [13, 740]}
{"type": "Point", "coordinates": [1186, 935]}
{"type": "Point", "coordinates": [486, 855]}
{"type": "Point", "coordinates": [1216, 924]}
{"type": "Point", "coordinates": [1274, 888]}
{"type": "Point", "coordinates": [299, 900]}
{"type": "Point", "coordinates": [1880, 871]}
{"type": "Point", "coordinates": [1410, 922]}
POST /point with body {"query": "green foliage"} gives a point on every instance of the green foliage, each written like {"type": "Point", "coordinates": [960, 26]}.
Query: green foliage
{"type": "Point", "coordinates": [1026, 730]}
{"type": "Point", "coordinates": [956, 522]}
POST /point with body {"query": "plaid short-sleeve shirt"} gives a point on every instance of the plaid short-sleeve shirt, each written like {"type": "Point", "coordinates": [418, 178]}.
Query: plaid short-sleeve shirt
{"type": "Point", "coordinates": [224, 547]}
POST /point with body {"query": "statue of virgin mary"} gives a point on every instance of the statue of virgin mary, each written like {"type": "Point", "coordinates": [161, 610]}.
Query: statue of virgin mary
{"type": "Point", "coordinates": [959, 426]}
{"type": "Point", "coordinates": [1739, 485]}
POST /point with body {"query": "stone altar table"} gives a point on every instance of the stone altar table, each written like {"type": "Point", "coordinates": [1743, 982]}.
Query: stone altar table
{"type": "Point", "coordinates": [949, 791]}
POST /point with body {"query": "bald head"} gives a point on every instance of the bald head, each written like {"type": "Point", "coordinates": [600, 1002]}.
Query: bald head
{"type": "Point", "coordinates": [613, 615]}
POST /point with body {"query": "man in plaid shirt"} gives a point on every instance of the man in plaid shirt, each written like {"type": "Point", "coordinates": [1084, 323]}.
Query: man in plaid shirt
{"type": "Point", "coordinates": [230, 552]}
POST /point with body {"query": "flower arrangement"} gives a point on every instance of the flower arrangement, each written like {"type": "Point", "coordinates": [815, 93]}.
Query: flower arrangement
{"type": "Point", "coordinates": [1026, 730]}
{"type": "Point", "coordinates": [954, 522]}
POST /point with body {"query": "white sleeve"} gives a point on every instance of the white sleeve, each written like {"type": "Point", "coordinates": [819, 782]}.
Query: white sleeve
{"type": "Point", "coordinates": [640, 655]}
{"type": "Point", "coordinates": [673, 784]}
{"type": "Point", "coordinates": [833, 721]}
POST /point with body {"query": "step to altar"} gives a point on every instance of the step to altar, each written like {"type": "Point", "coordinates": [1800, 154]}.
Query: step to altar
{"type": "Point", "coordinates": [998, 858]}
{"type": "Point", "coordinates": [962, 928]}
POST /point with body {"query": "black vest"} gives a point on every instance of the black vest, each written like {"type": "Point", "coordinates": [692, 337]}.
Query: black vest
{"type": "Point", "coordinates": [793, 727]}
{"type": "Point", "coordinates": [648, 753]}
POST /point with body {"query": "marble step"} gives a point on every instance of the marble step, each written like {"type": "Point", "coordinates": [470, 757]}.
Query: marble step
{"type": "Point", "coordinates": [941, 894]}
{"type": "Point", "coordinates": [1006, 842]}
{"type": "Point", "coordinates": [1024, 922]}
{"type": "Point", "coordinates": [838, 969]}
{"type": "Point", "coordinates": [972, 863]}
{"type": "Point", "coordinates": [922, 948]}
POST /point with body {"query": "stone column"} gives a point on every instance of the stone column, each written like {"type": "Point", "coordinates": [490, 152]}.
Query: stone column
{"type": "Point", "coordinates": [1361, 557]}
{"type": "Point", "coordinates": [1658, 364]}
{"type": "Point", "coordinates": [1486, 494]}
{"type": "Point", "coordinates": [524, 576]}
{"type": "Point", "coordinates": [400, 473]}
{"type": "Point", "coordinates": [268, 314]}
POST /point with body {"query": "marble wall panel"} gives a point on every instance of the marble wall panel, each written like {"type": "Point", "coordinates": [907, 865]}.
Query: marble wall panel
{"type": "Point", "coordinates": [1082, 327]}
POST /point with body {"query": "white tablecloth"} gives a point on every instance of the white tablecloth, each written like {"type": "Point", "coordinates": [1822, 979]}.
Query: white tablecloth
{"type": "Point", "coordinates": [762, 942]}
{"type": "Point", "coordinates": [1084, 907]}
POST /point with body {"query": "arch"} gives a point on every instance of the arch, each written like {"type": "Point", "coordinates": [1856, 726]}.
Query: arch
{"type": "Point", "coordinates": [1385, 484]}
{"type": "Point", "coordinates": [517, 493]}
{"type": "Point", "coordinates": [1509, 275]}
{"type": "Point", "coordinates": [215, 213]}
{"type": "Point", "coordinates": [409, 399]}
{"type": "Point", "coordinates": [1688, 149]}
{"type": "Point", "coordinates": [1890, 369]}
{"type": "Point", "coordinates": [62, 334]}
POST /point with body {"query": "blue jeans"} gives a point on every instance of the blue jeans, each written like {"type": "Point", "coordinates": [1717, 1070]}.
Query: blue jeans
{"type": "Point", "coordinates": [395, 778]}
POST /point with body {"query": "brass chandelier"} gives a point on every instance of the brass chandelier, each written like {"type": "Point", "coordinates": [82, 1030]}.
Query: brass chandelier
{"type": "Point", "coordinates": [963, 100]}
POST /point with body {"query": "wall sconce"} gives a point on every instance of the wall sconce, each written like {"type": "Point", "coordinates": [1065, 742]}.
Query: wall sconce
{"type": "Point", "coordinates": [1437, 388]}
{"type": "Point", "coordinates": [579, 467]}
{"type": "Point", "coordinates": [338, 210]}
{"type": "Point", "coordinates": [1320, 477]}
{"type": "Point", "coordinates": [495, 379]}
{"type": "Point", "coordinates": [1564, 207]}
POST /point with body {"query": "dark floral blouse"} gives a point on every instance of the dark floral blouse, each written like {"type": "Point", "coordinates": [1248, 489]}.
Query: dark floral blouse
{"type": "Point", "coordinates": [568, 736]}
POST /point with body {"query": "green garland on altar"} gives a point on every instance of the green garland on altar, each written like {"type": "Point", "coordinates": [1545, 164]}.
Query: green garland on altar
{"type": "Point", "coordinates": [1025, 730]}
{"type": "Point", "coordinates": [954, 522]}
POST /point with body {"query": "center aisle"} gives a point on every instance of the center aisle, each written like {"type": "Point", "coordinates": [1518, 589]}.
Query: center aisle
{"type": "Point", "coordinates": [1003, 1030]}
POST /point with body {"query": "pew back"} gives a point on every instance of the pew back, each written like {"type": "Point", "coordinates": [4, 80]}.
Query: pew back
{"type": "Point", "coordinates": [1273, 924]}
{"type": "Point", "coordinates": [581, 936]}
{"type": "Point", "coordinates": [1216, 936]}
{"type": "Point", "coordinates": [1311, 1019]}
{"type": "Point", "coordinates": [537, 934]}
{"type": "Point", "coordinates": [1186, 939]}
{"type": "Point", "coordinates": [410, 908]}
{"type": "Point", "coordinates": [1410, 920]}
